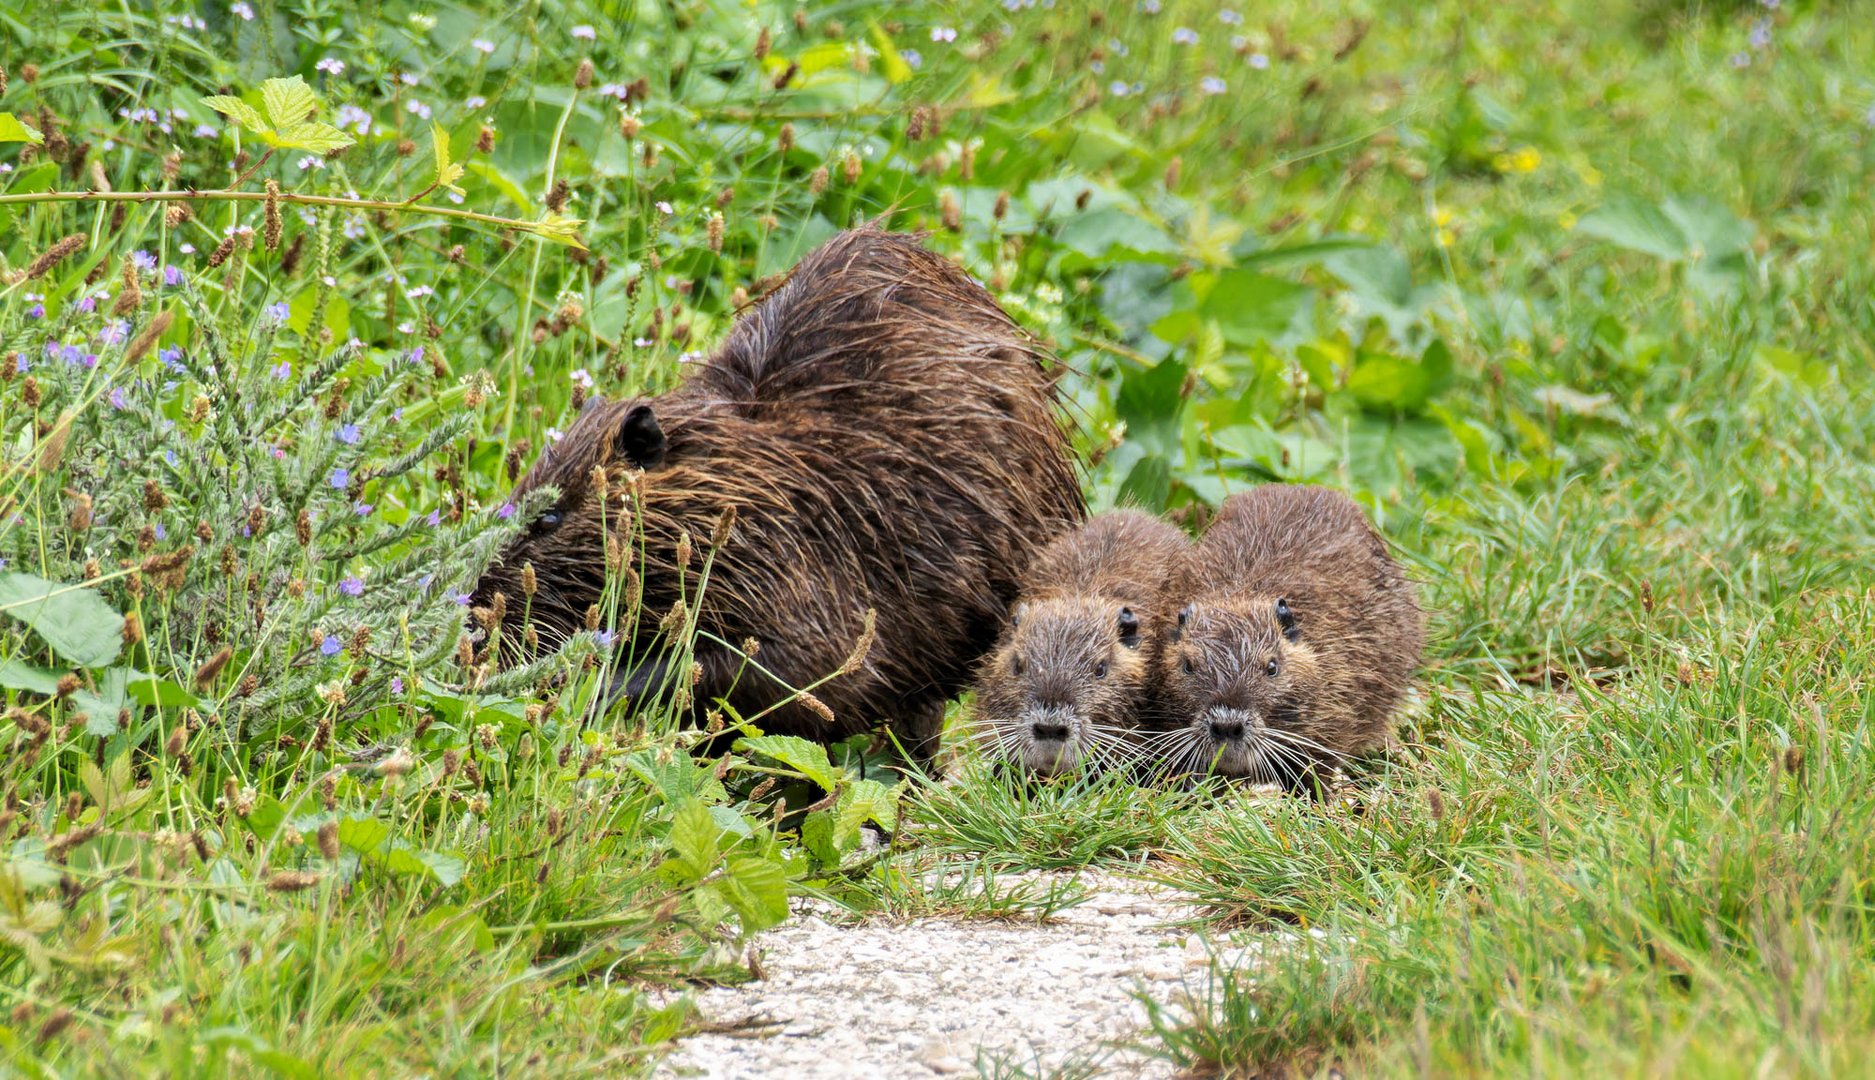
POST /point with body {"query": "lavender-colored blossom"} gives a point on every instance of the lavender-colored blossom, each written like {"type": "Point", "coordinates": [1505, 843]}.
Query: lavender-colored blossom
{"type": "Point", "coordinates": [87, 304]}
{"type": "Point", "coordinates": [340, 478]}
{"type": "Point", "coordinates": [435, 518]}
{"type": "Point", "coordinates": [912, 57]}
{"type": "Point", "coordinates": [162, 531]}
{"type": "Point", "coordinates": [352, 586]}
{"type": "Point", "coordinates": [585, 33]}
{"type": "Point", "coordinates": [362, 509]}
{"type": "Point", "coordinates": [582, 378]}
{"type": "Point", "coordinates": [603, 638]}
{"type": "Point", "coordinates": [117, 398]}
{"type": "Point", "coordinates": [943, 34]}
{"type": "Point", "coordinates": [21, 365]}
{"type": "Point", "coordinates": [276, 311]}
{"type": "Point", "coordinates": [171, 356]}
{"type": "Point", "coordinates": [283, 370]}
{"type": "Point", "coordinates": [1761, 34]}
{"type": "Point", "coordinates": [72, 354]}
{"type": "Point", "coordinates": [331, 65]}
{"type": "Point", "coordinates": [144, 261]}
{"type": "Point", "coordinates": [246, 11]}
{"type": "Point", "coordinates": [37, 311]}
{"type": "Point", "coordinates": [114, 332]}
{"type": "Point", "coordinates": [347, 434]}
{"type": "Point", "coordinates": [482, 45]}
{"type": "Point", "coordinates": [1184, 35]}
{"type": "Point", "coordinates": [1741, 59]}
{"type": "Point", "coordinates": [397, 684]}
{"type": "Point", "coordinates": [172, 276]}
{"type": "Point", "coordinates": [506, 511]}
{"type": "Point", "coordinates": [1260, 61]}
{"type": "Point", "coordinates": [330, 646]}
{"type": "Point", "coordinates": [1211, 84]}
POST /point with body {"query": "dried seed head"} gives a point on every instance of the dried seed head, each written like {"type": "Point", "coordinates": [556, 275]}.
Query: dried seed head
{"type": "Point", "coordinates": [715, 232]}
{"type": "Point", "coordinates": [274, 224]}
{"type": "Point", "coordinates": [130, 297]}
{"type": "Point", "coordinates": [528, 582]}
{"type": "Point", "coordinates": [784, 139]}
{"type": "Point", "coordinates": [558, 195]}
{"type": "Point", "coordinates": [674, 619]}
{"type": "Point", "coordinates": [149, 336]}
{"type": "Point", "coordinates": [210, 668]}
{"type": "Point", "coordinates": [397, 764]}
{"type": "Point", "coordinates": [198, 409]}
{"type": "Point", "coordinates": [406, 147]}
{"type": "Point", "coordinates": [650, 158]}
{"type": "Point", "coordinates": [329, 841]}
{"type": "Point", "coordinates": [763, 42]}
{"type": "Point", "coordinates": [751, 646]}
{"type": "Point", "coordinates": [221, 253]}
{"type": "Point", "coordinates": [292, 880]}
{"type": "Point", "coordinates": [485, 140]}
{"type": "Point", "coordinates": [817, 707]}
{"type": "Point", "coordinates": [175, 214]}
{"type": "Point", "coordinates": [55, 254]}
{"type": "Point", "coordinates": [949, 212]}
{"type": "Point", "coordinates": [683, 552]}
{"type": "Point", "coordinates": [582, 75]}
{"type": "Point", "coordinates": [302, 526]}
{"type": "Point", "coordinates": [967, 162]}
{"type": "Point", "coordinates": [1001, 209]}
{"type": "Point", "coordinates": [153, 497]}
{"type": "Point", "coordinates": [849, 167]}
{"type": "Point", "coordinates": [1793, 759]}
{"type": "Point", "coordinates": [592, 616]}
{"type": "Point", "coordinates": [629, 126]}
{"type": "Point", "coordinates": [67, 685]}
{"type": "Point", "coordinates": [1172, 170]}
{"type": "Point", "coordinates": [29, 392]}
{"type": "Point", "coordinates": [817, 182]}
{"type": "Point", "coordinates": [867, 632]}
{"type": "Point", "coordinates": [256, 520]}
{"type": "Point", "coordinates": [80, 517]}
{"type": "Point", "coordinates": [725, 525]}
{"type": "Point", "coordinates": [133, 628]}
{"type": "Point", "coordinates": [178, 740]}
{"type": "Point", "coordinates": [782, 80]}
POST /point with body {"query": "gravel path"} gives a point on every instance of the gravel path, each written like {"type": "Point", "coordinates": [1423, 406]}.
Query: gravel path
{"type": "Point", "coordinates": [920, 999]}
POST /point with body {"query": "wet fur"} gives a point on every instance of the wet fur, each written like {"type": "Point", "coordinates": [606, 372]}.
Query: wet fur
{"type": "Point", "coordinates": [1344, 659]}
{"type": "Point", "coordinates": [1084, 591]}
{"type": "Point", "coordinates": [889, 440]}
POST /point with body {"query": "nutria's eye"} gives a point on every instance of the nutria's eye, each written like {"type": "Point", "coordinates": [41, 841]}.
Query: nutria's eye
{"type": "Point", "coordinates": [1190, 668]}
{"type": "Point", "coordinates": [1270, 669]}
{"type": "Point", "coordinates": [1015, 665]}
{"type": "Point", "coordinates": [547, 522]}
{"type": "Point", "coordinates": [1100, 670]}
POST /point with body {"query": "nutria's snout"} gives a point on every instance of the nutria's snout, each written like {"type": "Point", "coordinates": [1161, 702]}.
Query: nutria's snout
{"type": "Point", "coordinates": [1227, 725]}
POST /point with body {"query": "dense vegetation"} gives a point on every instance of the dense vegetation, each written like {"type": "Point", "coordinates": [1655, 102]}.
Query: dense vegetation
{"type": "Point", "coordinates": [1579, 303]}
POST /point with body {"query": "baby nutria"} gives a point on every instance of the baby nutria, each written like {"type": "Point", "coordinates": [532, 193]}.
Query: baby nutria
{"type": "Point", "coordinates": [1298, 643]}
{"type": "Point", "coordinates": [887, 441]}
{"type": "Point", "coordinates": [1067, 677]}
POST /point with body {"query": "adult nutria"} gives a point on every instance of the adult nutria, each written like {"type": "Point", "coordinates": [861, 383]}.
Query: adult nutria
{"type": "Point", "coordinates": [1068, 675]}
{"type": "Point", "coordinates": [1299, 640]}
{"type": "Point", "coordinates": [887, 441]}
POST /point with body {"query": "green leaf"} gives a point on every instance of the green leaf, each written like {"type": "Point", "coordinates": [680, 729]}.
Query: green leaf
{"type": "Point", "coordinates": [239, 111]}
{"type": "Point", "coordinates": [694, 838]}
{"type": "Point", "coordinates": [12, 129]}
{"type": "Point", "coordinates": [559, 229]}
{"type": "Point", "coordinates": [102, 707]}
{"type": "Point", "coordinates": [289, 102]}
{"type": "Point", "coordinates": [500, 181]}
{"type": "Point", "coordinates": [447, 173]}
{"type": "Point", "coordinates": [17, 675]}
{"type": "Point", "coordinates": [75, 621]}
{"type": "Point", "coordinates": [150, 690]}
{"type": "Point", "coordinates": [863, 801]}
{"type": "Point", "coordinates": [1250, 307]}
{"type": "Point", "coordinates": [807, 758]}
{"type": "Point", "coordinates": [890, 62]}
{"type": "Point", "coordinates": [311, 136]}
{"type": "Point", "coordinates": [1637, 225]}
{"type": "Point", "coordinates": [1389, 384]}
{"type": "Point", "coordinates": [756, 889]}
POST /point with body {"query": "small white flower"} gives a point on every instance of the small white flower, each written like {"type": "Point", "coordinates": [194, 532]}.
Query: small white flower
{"type": "Point", "coordinates": [1184, 35]}
{"type": "Point", "coordinates": [246, 12]}
{"type": "Point", "coordinates": [418, 292]}
{"type": "Point", "coordinates": [409, 78]}
{"type": "Point", "coordinates": [1211, 84]}
{"type": "Point", "coordinates": [311, 162]}
{"type": "Point", "coordinates": [554, 434]}
{"type": "Point", "coordinates": [417, 108]}
{"type": "Point", "coordinates": [475, 101]}
{"type": "Point", "coordinates": [1229, 17]}
{"type": "Point", "coordinates": [482, 45]}
{"type": "Point", "coordinates": [943, 33]}
{"type": "Point", "coordinates": [585, 33]}
{"type": "Point", "coordinates": [664, 207]}
{"type": "Point", "coordinates": [1259, 61]}
{"type": "Point", "coordinates": [1118, 88]}
{"type": "Point", "coordinates": [331, 65]}
{"type": "Point", "coordinates": [582, 378]}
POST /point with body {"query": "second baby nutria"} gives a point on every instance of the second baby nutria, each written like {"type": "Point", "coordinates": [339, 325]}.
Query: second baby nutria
{"type": "Point", "coordinates": [886, 439]}
{"type": "Point", "coordinates": [1066, 679]}
{"type": "Point", "coordinates": [1299, 641]}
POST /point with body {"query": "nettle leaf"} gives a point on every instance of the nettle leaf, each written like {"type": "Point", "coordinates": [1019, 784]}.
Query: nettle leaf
{"type": "Point", "coordinates": [76, 622]}
{"type": "Point", "coordinates": [695, 838]}
{"type": "Point", "coordinates": [447, 172]}
{"type": "Point", "coordinates": [289, 102]}
{"type": "Point", "coordinates": [756, 889]}
{"type": "Point", "coordinates": [239, 111]}
{"type": "Point", "coordinates": [13, 129]}
{"type": "Point", "coordinates": [807, 758]}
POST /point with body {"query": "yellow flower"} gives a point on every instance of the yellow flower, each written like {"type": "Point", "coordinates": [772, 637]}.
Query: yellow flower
{"type": "Point", "coordinates": [1567, 220]}
{"type": "Point", "coordinates": [1526, 159]}
{"type": "Point", "coordinates": [1442, 217]}
{"type": "Point", "coordinates": [1444, 237]}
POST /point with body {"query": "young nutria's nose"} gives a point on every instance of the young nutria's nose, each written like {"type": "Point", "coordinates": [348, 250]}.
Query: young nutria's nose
{"type": "Point", "coordinates": [1228, 729]}
{"type": "Point", "coordinates": [1049, 730]}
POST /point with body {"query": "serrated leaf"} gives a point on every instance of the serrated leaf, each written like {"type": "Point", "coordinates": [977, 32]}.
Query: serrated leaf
{"type": "Point", "coordinates": [239, 111]}
{"type": "Point", "coordinates": [869, 800]}
{"type": "Point", "coordinates": [807, 758]}
{"type": "Point", "coordinates": [559, 229]}
{"type": "Point", "coordinates": [694, 838]}
{"type": "Point", "coordinates": [311, 136]}
{"type": "Point", "coordinates": [76, 622]}
{"type": "Point", "coordinates": [289, 102]}
{"type": "Point", "coordinates": [447, 172]}
{"type": "Point", "coordinates": [756, 889]}
{"type": "Point", "coordinates": [13, 129]}
{"type": "Point", "coordinates": [15, 675]}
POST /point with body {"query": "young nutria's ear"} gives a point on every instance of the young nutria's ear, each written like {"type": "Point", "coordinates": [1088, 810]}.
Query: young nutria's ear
{"type": "Point", "coordinates": [1288, 620]}
{"type": "Point", "coordinates": [640, 441]}
{"type": "Point", "coordinates": [1129, 628]}
{"type": "Point", "coordinates": [1184, 616]}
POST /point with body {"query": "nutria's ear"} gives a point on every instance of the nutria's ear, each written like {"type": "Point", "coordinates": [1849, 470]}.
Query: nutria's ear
{"type": "Point", "coordinates": [640, 441]}
{"type": "Point", "coordinates": [1129, 628]}
{"type": "Point", "coordinates": [1288, 620]}
{"type": "Point", "coordinates": [1184, 616]}
{"type": "Point", "coordinates": [1015, 616]}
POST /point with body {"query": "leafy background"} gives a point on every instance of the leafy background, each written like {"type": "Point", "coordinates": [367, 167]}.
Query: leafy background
{"type": "Point", "coordinates": [1577, 303]}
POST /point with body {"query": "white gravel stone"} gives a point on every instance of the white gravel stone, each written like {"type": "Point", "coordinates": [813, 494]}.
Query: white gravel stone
{"type": "Point", "coordinates": [921, 999]}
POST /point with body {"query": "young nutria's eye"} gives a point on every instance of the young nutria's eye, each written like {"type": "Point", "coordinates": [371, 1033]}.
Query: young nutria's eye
{"type": "Point", "coordinates": [1190, 668]}
{"type": "Point", "coordinates": [1100, 670]}
{"type": "Point", "coordinates": [547, 522]}
{"type": "Point", "coordinates": [1015, 664]}
{"type": "Point", "coordinates": [1270, 669]}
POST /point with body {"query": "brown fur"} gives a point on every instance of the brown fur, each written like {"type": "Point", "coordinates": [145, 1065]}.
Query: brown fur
{"type": "Point", "coordinates": [1071, 669]}
{"type": "Point", "coordinates": [888, 441]}
{"type": "Point", "coordinates": [1343, 663]}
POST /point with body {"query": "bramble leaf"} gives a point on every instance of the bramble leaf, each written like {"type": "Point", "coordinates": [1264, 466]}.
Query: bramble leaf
{"type": "Point", "coordinates": [312, 136]}
{"type": "Point", "coordinates": [239, 111]}
{"type": "Point", "coordinates": [290, 102]}
{"type": "Point", "coordinates": [13, 129]}
{"type": "Point", "coordinates": [447, 172]}
{"type": "Point", "coordinates": [559, 229]}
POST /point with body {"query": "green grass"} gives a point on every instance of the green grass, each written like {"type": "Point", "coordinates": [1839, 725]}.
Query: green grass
{"type": "Point", "coordinates": [1578, 307]}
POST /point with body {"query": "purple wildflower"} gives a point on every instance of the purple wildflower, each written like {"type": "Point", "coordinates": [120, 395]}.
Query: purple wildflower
{"type": "Point", "coordinates": [117, 398]}
{"type": "Point", "coordinates": [114, 332]}
{"type": "Point", "coordinates": [347, 434]}
{"type": "Point", "coordinates": [397, 684]}
{"type": "Point", "coordinates": [87, 304]}
{"type": "Point", "coordinates": [330, 646]}
{"type": "Point", "coordinates": [339, 478]}
{"type": "Point", "coordinates": [276, 312]}
{"type": "Point", "coordinates": [352, 586]}
{"type": "Point", "coordinates": [144, 261]}
{"type": "Point", "coordinates": [172, 276]}
{"type": "Point", "coordinates": [506, 511]}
